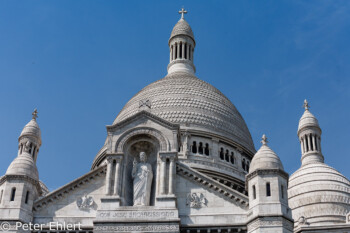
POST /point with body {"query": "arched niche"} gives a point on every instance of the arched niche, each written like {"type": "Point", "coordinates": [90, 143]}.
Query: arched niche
{"type": "Point", "coordinates": [158, 136]}
{"type": "Point", "coordinates": [132, 148]}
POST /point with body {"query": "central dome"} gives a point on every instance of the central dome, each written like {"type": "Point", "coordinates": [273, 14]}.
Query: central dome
{"type": "Point", "coordinates": [184, 99]}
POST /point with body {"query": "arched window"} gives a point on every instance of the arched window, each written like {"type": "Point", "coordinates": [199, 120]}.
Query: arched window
{"type": "Point", "coordinates": [21, 149]}
{"type": "Point", "coordinates": [27, 198]}
{"type": "Point", "coordinates": [248, 166]}
{"type": "Point", "coordinates": [189, 55]}
{"type": "Point", "coordinates": [206, 150]}
{"type": "Point", "coordinates": [30, 148]}
{"type": "Point", "coordinates": [13, 194]}
{"type": "Point", "coordinates": [254, 192]}
{"type": "Point", "coordinates": [185, 56]}
{"type": "Point", "coordinates": [282, 191]}
{"type": "Point", "coordinates": [222, 153]}
{"type": "Point", "coordinates": [194, 147]}
{"type": "Point", "coordinates": [232, 159]}
{"type": "Point", "coordinates": [243, 164]}
{"type": "Point", "coordinates": [307, 143]}
{"type": "Point", "coordinates": [227, 157]}
{"type": "Point", "coordinates": [200, 148]}
{"type": "Point", "coordinates": [268, 189]}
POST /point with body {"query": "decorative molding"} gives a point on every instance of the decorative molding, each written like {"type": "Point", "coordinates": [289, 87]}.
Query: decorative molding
{"type": "Point", "coordinates": [64, 190]}
{"type": "Point", "coordinates": [263, 222]}
{"type": "Point", "coordinates": [209, 183]}
{"type": "Point", "coordinates": [267, 172]}
{"type": "Point", "coordinates": [138, 228]}
{"type": "Point", "coordinates": [36, 183]}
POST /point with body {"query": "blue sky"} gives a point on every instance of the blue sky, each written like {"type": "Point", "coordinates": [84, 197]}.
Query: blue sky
{"type": "Point", "coordinates": [79, 62]}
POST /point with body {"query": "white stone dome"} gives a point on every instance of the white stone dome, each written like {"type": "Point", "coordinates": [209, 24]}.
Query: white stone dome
{"type": "Point", "coordinates": [182, 28]}
{"type": "Point", "coordinates": [23, 165]}
{"type": "Point", "coordinates": [265, 158]}
{"type": "Point", "coordinates": [320, 194]}
{"type": "Point", "coordinates": [32, 129]}
{"type": "Point", "coordinates": [308, 120]}
{"type": "Point", "coordinates": [182, 98]}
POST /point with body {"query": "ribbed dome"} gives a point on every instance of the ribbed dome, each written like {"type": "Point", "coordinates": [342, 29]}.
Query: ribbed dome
{"type": "Point", "coordinates": [184, 99]}
{"type": "Point", "coordinates": [265, 158]}
{"type": "Point", "coordinates": [23, 165]}
{"type": "Point", "coordinates": [307, 120]}
{"type": "Point", "coordinates": [32, 129]}
{"type": "Point", "coordinates": [319, 193]}
{"type": "Point", "coordinates": [182, 28]}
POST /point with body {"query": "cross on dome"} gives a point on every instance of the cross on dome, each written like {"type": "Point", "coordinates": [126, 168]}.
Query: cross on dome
{"type": "Point", "coordinates": [264, 139]}
{"type": "Point", "coordinates": [35, 114]}
{"type": "Point", "coordinates": [182, 12]}
{"type": "Point", "coordinates": [306, 105]}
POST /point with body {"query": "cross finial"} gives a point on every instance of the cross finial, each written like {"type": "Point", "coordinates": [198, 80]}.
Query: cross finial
{"type": "Point", "coordinates": [306, 105]}
{"type": "Point", "coordinates": [264, 139]}
{"type": "Point", "coordinates": [182, 12]}
{"type": "Point", "coordinates": [35, 114]}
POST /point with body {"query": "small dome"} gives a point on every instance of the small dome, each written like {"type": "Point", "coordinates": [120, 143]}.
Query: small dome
{"type": "Point", "coordinates": [32, 129]}
{"type": "Point", "coordinates": [308, 120]}
{"type": "Point", "coordinates": [23, 165]}
{"type": "Point", "coordinates": [320, 194]}
{"type": "Point", "coordinates": [182, 28]}
{"type": "Point", "coordinates": [265, 158]}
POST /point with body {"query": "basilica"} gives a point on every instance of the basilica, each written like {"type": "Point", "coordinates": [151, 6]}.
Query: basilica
{"type": "Point", "coordinates": [179, 157]}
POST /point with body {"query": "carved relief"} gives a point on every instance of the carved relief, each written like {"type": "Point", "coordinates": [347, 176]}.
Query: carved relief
{"type": "Point", "coordinates": [196, 200]}
{"type": "Point", "coordinates": [85, 202]}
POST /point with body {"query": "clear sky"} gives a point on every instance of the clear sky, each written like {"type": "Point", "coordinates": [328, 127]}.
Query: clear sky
{"type": "Point", "coordinates": [80, 61]}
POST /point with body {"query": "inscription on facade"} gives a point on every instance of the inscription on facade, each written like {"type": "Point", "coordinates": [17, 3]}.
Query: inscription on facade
{"type": "Point", "coordinates": [137, 214]}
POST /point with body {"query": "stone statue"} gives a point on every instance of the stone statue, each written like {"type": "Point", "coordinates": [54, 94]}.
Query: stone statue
{"type": "Point", "coordinates": [142, 175]}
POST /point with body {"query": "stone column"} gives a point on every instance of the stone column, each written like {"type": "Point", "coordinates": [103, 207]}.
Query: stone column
{"type": "Point", "coordinates": [319, 144]}
{"type": "Point", "coordinates": [308, 142]}
{"type": "Point", "coordinates": [171, 175]}
{"type": "Point", "coordinates": [162, 175]}
{"type": "Point", "coordinates": [176, 145]}
{"type": "Point", "coordinates": [313, 141]}
{"type": "Point", "coordinates": [302, 146]}
{"type": "Point", "coordinates": [116, 177]}
{"type": "Point", "coordinates": [109, 175]}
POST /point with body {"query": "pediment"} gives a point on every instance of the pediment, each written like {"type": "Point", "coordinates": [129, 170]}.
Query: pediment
{"type": "Point", "coordinates": [143, 115]}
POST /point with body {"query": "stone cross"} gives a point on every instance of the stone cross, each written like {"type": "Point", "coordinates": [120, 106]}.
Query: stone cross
{"type": "Point", "coordinates": [35, 114]}
{"type": "Point", "coordinates": [306, 105]}
{"type": "Point", "coordinates": [182, 12]}
{"type": "Point", "coordinates": [264, 140]}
